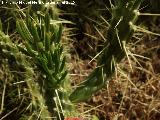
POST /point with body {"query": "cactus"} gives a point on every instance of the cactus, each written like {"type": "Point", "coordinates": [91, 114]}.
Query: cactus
{"type": "Point", "coordinates": [41, 31]}
{"type": "Point", "coordinates": [10, 50]}
{"type": "Point", "coordinates": [124, 15]}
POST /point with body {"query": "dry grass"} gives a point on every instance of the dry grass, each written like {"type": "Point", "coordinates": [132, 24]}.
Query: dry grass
{"type": "Point", "coordinates": [132, 94]}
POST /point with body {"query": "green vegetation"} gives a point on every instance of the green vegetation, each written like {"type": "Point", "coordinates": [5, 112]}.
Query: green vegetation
{"type": "Point", "coordinates": [119, 33]}
{"type": "Point", "coordinates": [39, 80]}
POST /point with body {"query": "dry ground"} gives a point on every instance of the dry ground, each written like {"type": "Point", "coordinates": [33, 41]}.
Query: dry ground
{"type": "Point", "coordinates": [132, 94]}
